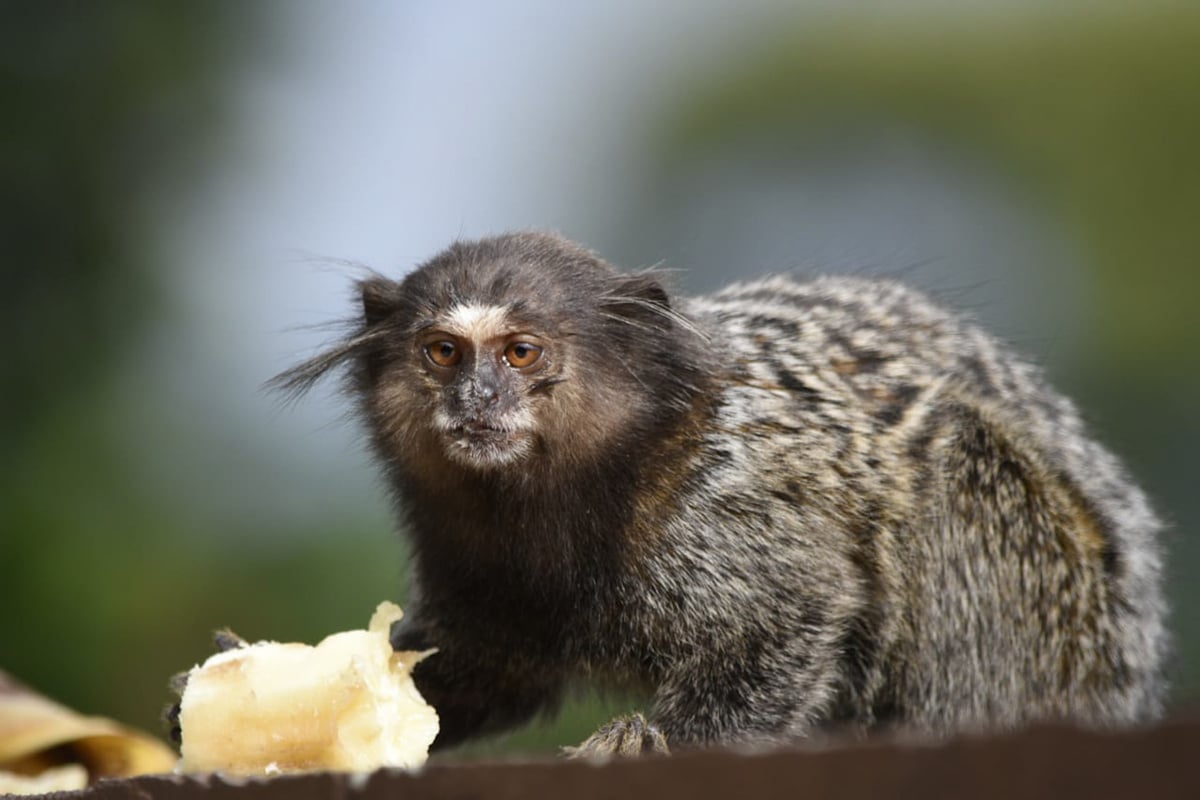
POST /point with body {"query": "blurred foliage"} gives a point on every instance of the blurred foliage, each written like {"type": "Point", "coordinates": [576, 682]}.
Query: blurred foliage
{"type": "Point", "coordinates": [100, 100]}
{"type": "Point", "coordinates": [107, 590]}
{"type": "Point", "coordinates": [1094, 105]}
{"type": "Point", "coordinates": [105, 104]}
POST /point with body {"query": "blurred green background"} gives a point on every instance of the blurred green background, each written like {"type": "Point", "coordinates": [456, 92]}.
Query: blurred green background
{"type": "Point", "coordinates": [170, 170]}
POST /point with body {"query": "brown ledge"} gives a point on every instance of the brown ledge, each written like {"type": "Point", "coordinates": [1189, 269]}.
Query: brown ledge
{"type": "Point", "coordinates": [1047, 762]}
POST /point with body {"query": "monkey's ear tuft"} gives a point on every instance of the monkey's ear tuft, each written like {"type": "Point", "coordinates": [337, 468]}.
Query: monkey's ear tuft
{"type": "Point", "coordinates": [638, 299]}
{"type": "Point", "coordinates": [641, 301]}
{"type": "Point", "coordinates": [647, 289]}
{"type": "Point", "coordinates": [379, 297]}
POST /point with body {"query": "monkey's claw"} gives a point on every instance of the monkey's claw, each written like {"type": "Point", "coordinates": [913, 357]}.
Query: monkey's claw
{"type": "Point", "coordinates": [170, 714]}
{"type": "Point", "coordinates": [625, 737]}
{"type": "Point", "coordinates": [224, 640]}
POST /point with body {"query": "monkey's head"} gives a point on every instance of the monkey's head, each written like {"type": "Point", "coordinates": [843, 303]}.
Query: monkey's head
{"type": "Point", "coordinates": [517, 349]}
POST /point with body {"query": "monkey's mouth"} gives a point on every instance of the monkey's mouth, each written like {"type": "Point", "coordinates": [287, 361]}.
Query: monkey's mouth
{"type": "Point", "coordinates": [481, 444]}
{"type": "Point", "coordinates": [482, 430]}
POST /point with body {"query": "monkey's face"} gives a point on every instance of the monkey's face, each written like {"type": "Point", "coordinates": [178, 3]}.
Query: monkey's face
{"type": "Point", "coordinates": [483, 369]}
{"type": "Point", "coordinates": [522, 349]}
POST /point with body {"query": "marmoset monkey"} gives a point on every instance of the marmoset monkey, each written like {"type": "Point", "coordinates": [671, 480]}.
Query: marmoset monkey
{"type": "Point", "coordinates": [784, 508]}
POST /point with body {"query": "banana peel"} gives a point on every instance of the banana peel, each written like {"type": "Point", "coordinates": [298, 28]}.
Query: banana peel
{"type": "Point", "coordinates": [45, 746]}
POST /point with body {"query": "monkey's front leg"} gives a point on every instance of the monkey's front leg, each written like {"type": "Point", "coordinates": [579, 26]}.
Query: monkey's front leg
{"type": "Point", "coordinates": [765, 700]}
{"type": "Point", "coordinates": [475, 689]}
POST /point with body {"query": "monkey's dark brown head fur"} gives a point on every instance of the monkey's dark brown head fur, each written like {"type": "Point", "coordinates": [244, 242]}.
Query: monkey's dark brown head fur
{"type": "Point", "coordinates": [519, 349]}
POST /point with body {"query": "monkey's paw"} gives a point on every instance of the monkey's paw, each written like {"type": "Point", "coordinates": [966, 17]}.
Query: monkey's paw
{"type": "Point", "coordinates": [625, 737]}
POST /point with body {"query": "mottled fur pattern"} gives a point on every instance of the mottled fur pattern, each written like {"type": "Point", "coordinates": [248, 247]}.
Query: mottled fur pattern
{"type": "Point", "coordinates": [784, 508]}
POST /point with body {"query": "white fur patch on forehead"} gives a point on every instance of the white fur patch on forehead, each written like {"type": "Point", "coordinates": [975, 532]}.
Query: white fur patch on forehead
{"type": "Point", "coordinates": [477, 321]}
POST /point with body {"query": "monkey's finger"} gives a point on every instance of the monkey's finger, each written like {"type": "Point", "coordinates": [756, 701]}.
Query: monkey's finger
{"type": "Point", "coordinates": [225, 639]}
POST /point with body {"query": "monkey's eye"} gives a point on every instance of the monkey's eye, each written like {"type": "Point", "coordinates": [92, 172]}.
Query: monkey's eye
{"type": "Point", "coordinates": [444, 353]}
{"type": "Point", "coordinates": [522, 354]}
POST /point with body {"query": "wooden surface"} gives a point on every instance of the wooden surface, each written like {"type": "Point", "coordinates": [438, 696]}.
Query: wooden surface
{"type": "Point", "coordinates": [1049, 762]}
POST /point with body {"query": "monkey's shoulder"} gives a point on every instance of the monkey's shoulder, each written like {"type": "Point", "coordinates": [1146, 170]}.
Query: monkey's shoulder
{"type": "Point", "coordinates": [833, 353]}
{"type": "Point", "coordinates": [868, 346]}
{"type": "Point", "coordinates": [844, 320]}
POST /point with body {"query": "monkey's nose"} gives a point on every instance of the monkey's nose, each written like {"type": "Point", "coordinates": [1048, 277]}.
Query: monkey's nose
{"type": "Point", "coordinates": [487, 393]}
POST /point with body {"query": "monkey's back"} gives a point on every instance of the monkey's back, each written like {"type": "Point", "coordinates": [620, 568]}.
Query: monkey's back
{"type": "Point", "coordinates": [890, 501]}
